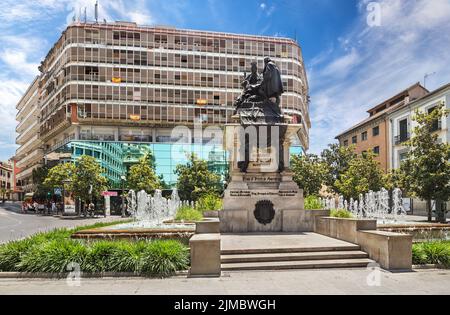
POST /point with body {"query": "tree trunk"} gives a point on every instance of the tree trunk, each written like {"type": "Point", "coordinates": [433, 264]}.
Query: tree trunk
{"type": "Point", "coordinates": [430, 214]}
{"type": "Point", "coordinates": [441, 212]}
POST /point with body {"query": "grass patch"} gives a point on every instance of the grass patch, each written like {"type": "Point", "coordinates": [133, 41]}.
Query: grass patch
{"type": "Point", "coordinates": [54, 251]}
{"type": "Point", "coordinates": [186, 213]}
{"type": "Point", "coordinates": [435, 253]}
{"type": "Point", "coordinates": [341, 213]}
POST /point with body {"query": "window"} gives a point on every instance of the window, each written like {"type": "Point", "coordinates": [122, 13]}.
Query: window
{"type": "Point", "coordinates": [376, 131]}
{"type": "Point", "coordinates": [436, 123]}
{"type": "Point", "coordinates": [364, 136]}
{"type": "Point", "coordinates": [355, 140]}
{"type": "Point", "coordinates": [403, 156]}
{"type": "Point", "coordinates": [403, 127]}
{"type": "Point", "coordinates": [345, 143]}
{"type": "Point", "coordinates": [376, 150]}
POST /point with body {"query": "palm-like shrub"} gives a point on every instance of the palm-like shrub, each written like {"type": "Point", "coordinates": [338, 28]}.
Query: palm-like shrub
{"type": "Point", "coordinates": [53, 256]}
{"type": "Point", "coordinates": [164, 258]}
{"type": "Point", "coordinates": [209, 202]}
{"type": "Point", "coordinates": [313, 203]}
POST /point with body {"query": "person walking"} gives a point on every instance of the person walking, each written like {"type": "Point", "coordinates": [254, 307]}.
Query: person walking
{"type": "Point", "coordinates": [54, 208]}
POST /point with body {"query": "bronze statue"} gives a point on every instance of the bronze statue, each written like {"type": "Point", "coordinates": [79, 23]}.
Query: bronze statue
{"type": "Point", "coordinates": [259, 105]}
{"type": "Point", "coordinates": [260, 99]}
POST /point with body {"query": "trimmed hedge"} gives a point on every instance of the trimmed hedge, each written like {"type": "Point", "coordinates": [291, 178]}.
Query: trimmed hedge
{"type": "Point", "coordinates": [52, 252]}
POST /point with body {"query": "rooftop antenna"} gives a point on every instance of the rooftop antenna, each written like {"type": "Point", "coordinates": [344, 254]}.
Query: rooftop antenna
{"type": "Point", "coordinates": [85, 15]}
{"type": "Point", "coordinates": [425, 77]}
{"type": "Point", "coordinates": [79, 14]}
{"type": "Point", "coordinates": [96, 11]}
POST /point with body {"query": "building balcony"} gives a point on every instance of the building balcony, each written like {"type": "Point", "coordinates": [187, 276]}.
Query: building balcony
{"type": "Point", "coordinates": [31, 131]}
{"type": "Point", "coordinates": [36, 155]}
{"type": "Point", "coordinates": [398, 140]}
{"type": "Point", "coordinates": [30, 145]}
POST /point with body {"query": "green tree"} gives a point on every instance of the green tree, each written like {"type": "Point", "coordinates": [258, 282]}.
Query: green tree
{"type": "Point", "coordinates": [38, 177]}
{"type": "Point", "coordinates": [3, 192]}
{"type": "Point", "coordinates": [337, 160]}
{"type": "Point", "coordinates": [363, 174]}
{"type": "Point", "coordinates": [195, 180]}
{"type": "Point", "coordinates": [57, 175]}
{"type": "Point", "coordinates": [142, 176]}
{"type": "Point", "coordinates": [309, 173]}
{"type": "Point", "coordinates": [87, 179]}
{"type": "Point", "coordinates": [426, 171]}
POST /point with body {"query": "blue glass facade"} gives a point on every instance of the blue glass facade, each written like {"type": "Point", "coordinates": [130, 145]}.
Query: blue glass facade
{"type": "Point", "coordinates": [117, 157]}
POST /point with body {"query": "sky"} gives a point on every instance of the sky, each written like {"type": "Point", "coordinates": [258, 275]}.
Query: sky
{"type": "Point", "coordinates": [357, 52]}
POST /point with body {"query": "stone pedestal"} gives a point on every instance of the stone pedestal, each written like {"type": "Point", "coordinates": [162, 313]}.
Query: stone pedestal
{"type": "Point", "coordinates": [263, 199]}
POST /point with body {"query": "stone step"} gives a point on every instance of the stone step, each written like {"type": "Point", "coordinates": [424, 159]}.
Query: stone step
{"type": "Point", "coordinates": [312, 249]}
{"type": "Point", "coordinates": [307, 264]}
{"type": "Point", "coordinates": [273, 257]}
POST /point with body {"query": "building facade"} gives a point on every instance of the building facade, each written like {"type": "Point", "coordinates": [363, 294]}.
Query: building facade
{"type": "Point", "coordinates": [7, 185]}
{"type": "Point", "coordinates": [372, 134]}
{"type": "Point", "coordinates": [30, 154]}
{"type": "Point", "coordinates": [401, 123]}
{"type": "Point", "coordinates": [123, 83]}
{"type": "Point", "coordinates": [401, 126]}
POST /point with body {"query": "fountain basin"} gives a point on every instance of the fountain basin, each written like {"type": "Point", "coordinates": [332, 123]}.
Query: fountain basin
{"type": "Point", "coordinates": [420, 231]}
{"type": "Point", "coordinates": [139, 231]}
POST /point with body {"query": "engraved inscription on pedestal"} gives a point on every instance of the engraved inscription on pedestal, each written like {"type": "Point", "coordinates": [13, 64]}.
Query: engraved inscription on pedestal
{"type": "Point", "coordinates": [264, 212]}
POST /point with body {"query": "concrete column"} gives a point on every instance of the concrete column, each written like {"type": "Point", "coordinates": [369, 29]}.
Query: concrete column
{"type": "Point", "coordinates": [154, 135]}
{"type": "Point", "coordinates": [107, 206]}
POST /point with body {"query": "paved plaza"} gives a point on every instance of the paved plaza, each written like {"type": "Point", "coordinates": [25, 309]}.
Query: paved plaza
{"type": "Point", "coordinates": [325, 281]}
{"type": "Point", "coordinates": [15, 225]}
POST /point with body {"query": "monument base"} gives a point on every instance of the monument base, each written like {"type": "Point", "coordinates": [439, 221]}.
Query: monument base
{"type": "Point", "coordinates": [262, 195]}
{"type": "Point", "coordinates": [265, 202]}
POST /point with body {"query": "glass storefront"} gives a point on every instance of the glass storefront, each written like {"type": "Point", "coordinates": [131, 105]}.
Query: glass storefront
{"type": "Point", "coordinates": [116, 158]}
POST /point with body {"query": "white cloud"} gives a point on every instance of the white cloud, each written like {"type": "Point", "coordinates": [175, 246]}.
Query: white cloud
{"type": "Point", "coordinates": [374, 63]}
{"type": "Point", "coordinates": [342, 65]}
{"type": "Point", "coordinates": [263, 6]}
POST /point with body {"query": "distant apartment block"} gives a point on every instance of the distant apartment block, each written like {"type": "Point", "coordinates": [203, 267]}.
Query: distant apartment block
{"type": "Point", "coordinates": [401, 123]}
{"type": "Point", "coordinates": [372, 134]}
{"type": "Point", "coordinates": [128, 84]}
{"type": "Point", "coordinates": [30, 153]}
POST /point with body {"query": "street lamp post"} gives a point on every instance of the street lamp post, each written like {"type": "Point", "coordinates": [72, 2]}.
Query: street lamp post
{"type": "Point", "coordinates": [123, 178]}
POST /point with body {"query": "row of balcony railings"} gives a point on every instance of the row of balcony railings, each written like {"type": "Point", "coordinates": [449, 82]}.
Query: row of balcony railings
{"type": "Point", "coordinates": [206, 82]}
{"type": "Point", "coordinates": [253, 50]}
{"type": "Point", "coordinates": [206, 65]}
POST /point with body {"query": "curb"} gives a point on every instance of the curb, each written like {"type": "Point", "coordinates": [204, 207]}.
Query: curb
{"type": "Point", "coordinates": [427, 267]}
{"type": "Point", "coordinates": [84, 275]}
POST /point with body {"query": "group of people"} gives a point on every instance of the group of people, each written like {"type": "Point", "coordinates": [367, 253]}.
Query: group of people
{"type": "Point", "coordinates": [54, 208]}
{"type": "Point", "coordinates": [50, 207]}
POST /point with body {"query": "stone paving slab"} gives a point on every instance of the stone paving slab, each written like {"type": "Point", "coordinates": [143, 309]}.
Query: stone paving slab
{"type": "Point", "coordinates": [305, 282]}
{"type": "Point", "coordinates": [281, 241]}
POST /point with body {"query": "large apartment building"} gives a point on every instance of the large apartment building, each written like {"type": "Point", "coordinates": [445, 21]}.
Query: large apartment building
{"type": "Point", "coordinates": [372, 134]}
{"type": "Point", "coordinates": [29, 155]}
{"type": "Point", "coordinates": [127, 84]}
